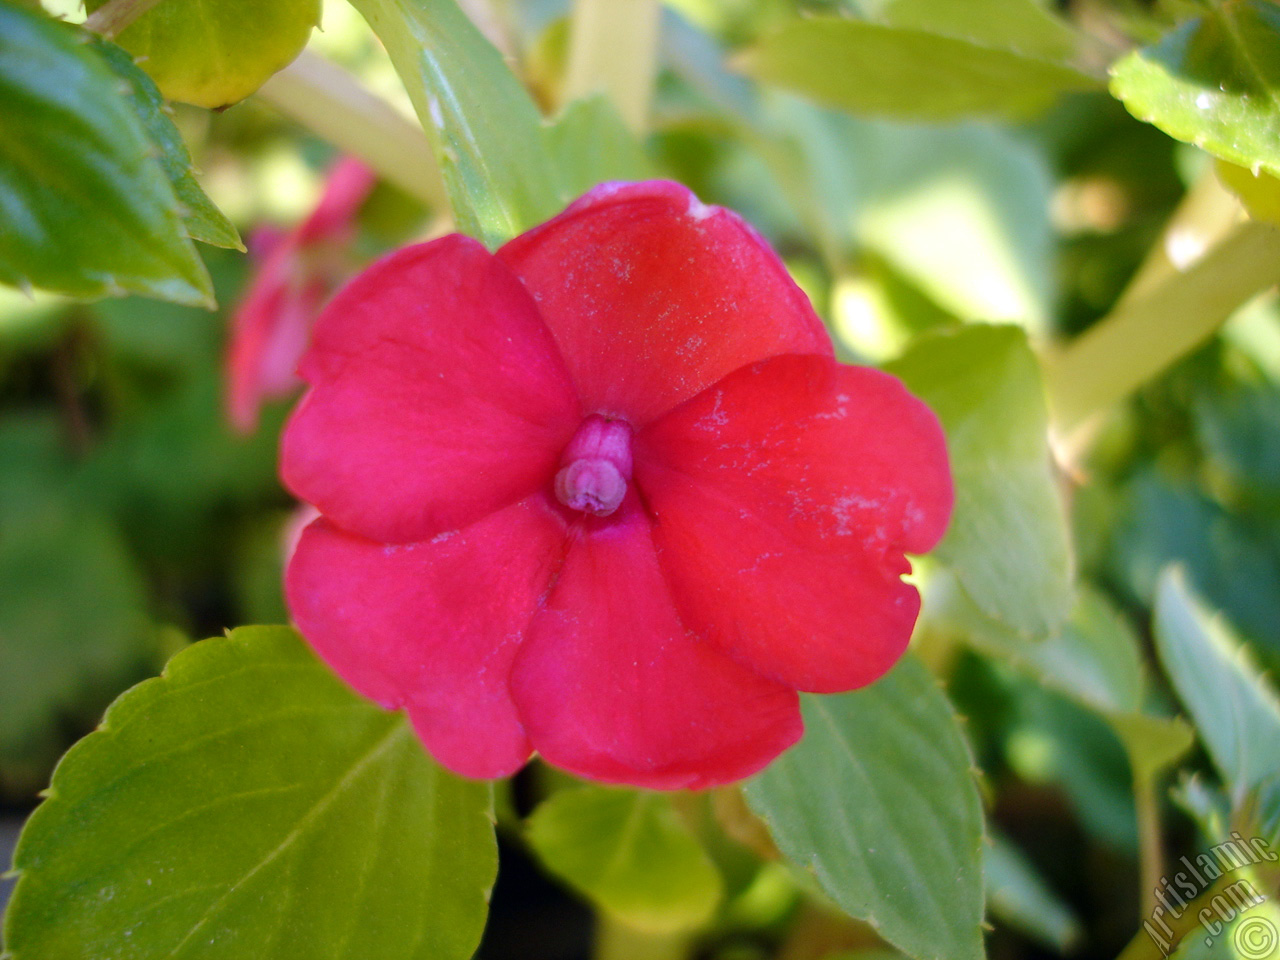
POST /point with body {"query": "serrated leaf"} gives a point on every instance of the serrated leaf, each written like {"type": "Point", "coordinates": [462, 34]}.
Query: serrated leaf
{"type": "Point", "coordinates": [1236, 710]}
{"type": "Point", "coordinates": [204, 221]}
{"type": "Point", "coordinates": [485, 129]}
{"type": "Point", "coordinates": [1259, 192]}
{"type": "Point", "coordinates": [247, 804]}
{"type": "Point", "coordinates": [627, 852]}
{"type": "Point", "coordinates": [879, 803]}
{"type": "Point", "coordinates": [1213, 81]}
{"type": "Point", "coordinates": [86, 208]}
{"type": "Point", "coordinates": [590, 144]}
{"type": "Point", "coordinates": [912, 74]}
{"type": "Point", "coordinates": [214, 53]}
{"type": "Point", "coordinates": [1007, 543]}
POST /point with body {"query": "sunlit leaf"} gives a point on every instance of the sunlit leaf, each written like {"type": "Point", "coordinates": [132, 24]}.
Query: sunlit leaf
{"type": "Point", "coordinates": [1024, 26]}
{"type": "Point", "coordinates": [1213, 81]}
{"type": "Point", "coordinates": [485, 129]}
{"type": "Point", "coordinates": [912, 74]}
{"type": "Point", "coordinates": [87, 209]}
{"type": "Point", "coordinates": [1007, 543]}
{"type": "Point", "coordinates": [627, 852]}
{"type": "Point", "coordinates": [247, 804]}
{"type": "Point", "coordinates": [214, 53]}
{"type": "Point", "coordinates": [879, 803]}
{"type": "Point", "coordinates": [1259, 192]}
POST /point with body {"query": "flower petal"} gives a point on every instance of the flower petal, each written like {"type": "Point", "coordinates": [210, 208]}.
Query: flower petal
{"type": "Point", "coordinates": [433, 626]}
{"type": "Point", "coordinates": [653, 296]}
{"type": "Point", "coordinates": [784, 499]}
{"type": "Point", "coordinates": [437, 396]}
{"type": "Point", "coordinates": [612, 686]}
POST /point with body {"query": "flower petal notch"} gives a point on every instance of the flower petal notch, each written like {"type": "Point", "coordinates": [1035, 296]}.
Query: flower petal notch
{"type": "Point", "coordinates": [604, 495]}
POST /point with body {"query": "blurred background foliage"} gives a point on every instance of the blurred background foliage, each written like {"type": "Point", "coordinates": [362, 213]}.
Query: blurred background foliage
{"type": "Point", "coordinates": [134, 519]}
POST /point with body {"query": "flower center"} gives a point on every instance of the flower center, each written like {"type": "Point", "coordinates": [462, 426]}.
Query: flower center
{"type": "Point", "coordinates": [595, 466]}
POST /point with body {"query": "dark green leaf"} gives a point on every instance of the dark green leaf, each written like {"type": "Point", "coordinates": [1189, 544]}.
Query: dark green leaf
{"type": "Point", "coordinates": [205, 222]}
{"type": "Point", "coordinates": [247, 804]}
{"type": "Point", "coordinates": [1007, 543]}
{"type": "Point", "coordinates": [1019, 896]}
{"type": "Point", "coordinates": [627, 852]}
{"type": "Point", "coordinates": [1235, 708]}
{"type": "Point", "coordinates": [913, 74]}
{"type": "Point", "coordinates": [485, 129]}
{"type": "Point", "coordinates": [1213, 81]}
{"type": "Point", "coordinates": [214, 53]}
{"type": "Point", "coordinates": [73, 625]}
{"type": "Point", "coordinates": [879, 802]}
{"type": "Point", "coordinates": [87, 208]}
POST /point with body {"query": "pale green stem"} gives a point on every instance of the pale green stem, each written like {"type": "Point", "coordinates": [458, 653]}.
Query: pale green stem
{"type": "Point", "coordinates": [1143, 336]}
{"type": "Point", "coordinates": [1151, 856]}
{"type": "Point", "coordinates": [113, 17]}
{"type": "Point", "coordinates": [334, 105]}
{"type": "Point", "coordinates": [1207, 213]}
{"type": "Point", "coordinates": [613, 49]}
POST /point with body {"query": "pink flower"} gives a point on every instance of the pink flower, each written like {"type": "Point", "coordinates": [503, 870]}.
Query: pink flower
{"type": "Point", "coordinates": [605, 495]}
{"type": "Point", "coordinates": [298, 271]}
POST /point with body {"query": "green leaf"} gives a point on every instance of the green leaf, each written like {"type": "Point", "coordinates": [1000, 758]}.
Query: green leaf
{"type": "Point", "coordinates": [590, 144]}
{"type": "Point", "coordinates": [879, 803]}
{"type": "Point", "coordinates": [627, 852]}
{"type": "Point", "coordinates": [913, 74]}
{"type": "Point", "coordinates": [1259, 192]}
{"type": "Point", "coordinates": [214, 53]}
{"type": "Point", "coordinates": [1007, 543]}
{"type": "Point", "coordinates": [1213, 81]}
{"type": "Point", "coordinates": [1023, 26]}
{"type": "Point", "coordinates": [87, 208]}
{"type": "Point", "coordinates": [1019, 896]}
{"type": "Point", "coordinates": [73, 625]}
{"type": "Point", "coordinates": [963, 212]}
{"type": "Point", "coordinates": [247, 804]}
{"type": "Point", "coordinates": [204, 221]}
{"type": "Point", "coordinates": [960, 210]}
{"type": "Point", "coordinates": [1236, 710]}
{"type": "Point", "coordinates": [485, 129]}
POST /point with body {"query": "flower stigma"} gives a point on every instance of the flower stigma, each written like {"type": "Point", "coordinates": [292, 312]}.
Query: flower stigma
{"type": "Point", "coordinates": [596, 466]}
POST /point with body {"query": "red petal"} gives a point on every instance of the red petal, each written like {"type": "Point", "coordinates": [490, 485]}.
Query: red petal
{"type": "Point", "coordinates": [437, 396]}
{"type": "Point", "coordinates": [433, 626]}
{"type": "Point", "coordinates": [346, 187]}
{"type": "Point", "coordinates": [653, 296]}
{"type": "Point", "coordinates": [785, 497]}
{"type": "Point", "coordinates": [611, 685]}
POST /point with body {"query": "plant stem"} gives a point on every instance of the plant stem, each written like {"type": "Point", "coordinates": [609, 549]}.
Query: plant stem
{"type": "Point", "coordinates": [1144, 335]}
{"type": "Point", "coordinates": [1151, 864]}
{"type": "Point", "coordinates": [1145, 947]}
{"type": "Point", "coordinates": [613, 48]}
{"type": "Point", "coordinates": [1205, 216]}
{"type": "Point", "coordinates": [332, 103]}
{"type": "Point", "coordinates": [111, 19]}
